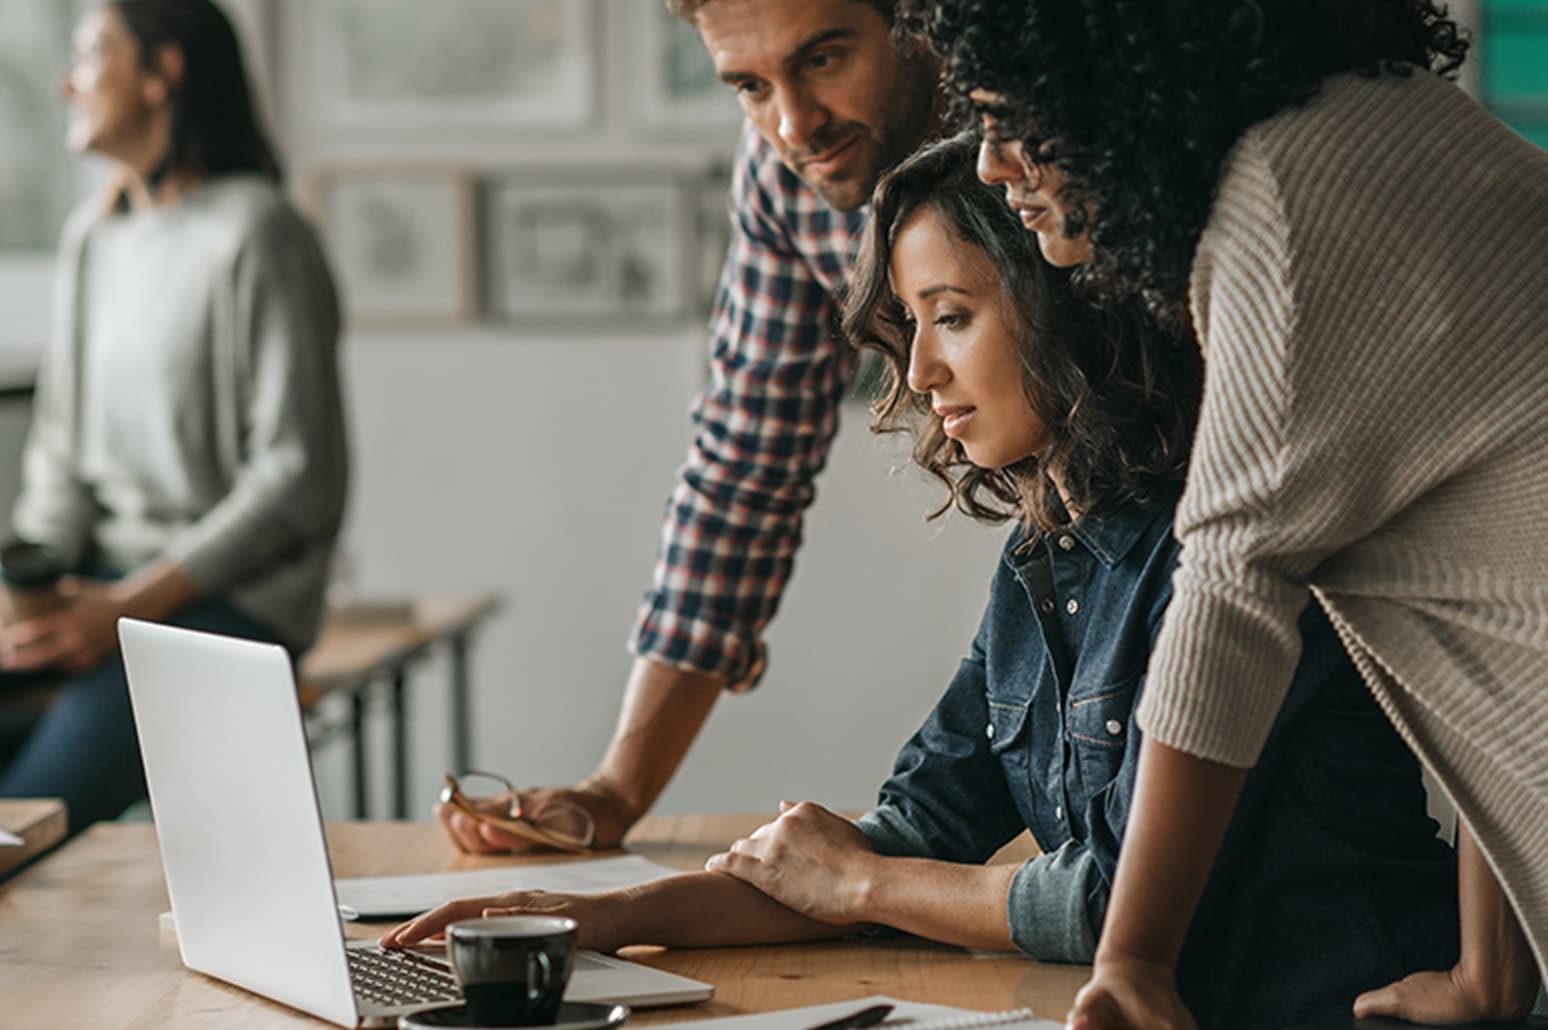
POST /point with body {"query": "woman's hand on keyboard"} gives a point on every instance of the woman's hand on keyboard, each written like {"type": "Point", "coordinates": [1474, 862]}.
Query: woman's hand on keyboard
{"type": "Point", "coordinates": [593, 914]}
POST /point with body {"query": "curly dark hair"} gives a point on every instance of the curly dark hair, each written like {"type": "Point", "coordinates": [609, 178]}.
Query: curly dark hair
{"type": "Point", "coordinates": [1138, 102]}
{"type": "Point", "coordinates": [1118, 394]}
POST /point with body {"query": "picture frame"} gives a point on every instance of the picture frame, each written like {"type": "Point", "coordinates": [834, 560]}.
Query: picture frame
{"type": "Point", "coordinates": [407, 68]}
{"type": "Point", "coordinates": [402, 242]}
{"type": "Point", "coordinates": [572, 249]}
{"type": "Point", "coordinates": [712, 232]}
{"type": "Point", "coordinates": [677, 88]}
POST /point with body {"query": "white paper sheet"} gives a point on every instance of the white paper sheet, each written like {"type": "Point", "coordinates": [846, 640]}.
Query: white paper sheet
{"type": "Point", "coordinates": [381, 897]}
{"type": "Point", "coordinates": [905, 1015]}
{"type": "Point", "coordinates": [10, 840]}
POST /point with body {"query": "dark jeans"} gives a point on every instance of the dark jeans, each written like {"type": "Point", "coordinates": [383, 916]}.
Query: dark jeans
{"type": "Point", "coordinates": [83, 749]}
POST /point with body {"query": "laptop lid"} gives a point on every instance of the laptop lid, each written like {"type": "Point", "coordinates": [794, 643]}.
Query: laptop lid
{"type": "Point", "coordinates": [241, 833]}
{"type": "Point", "coordinates": [237, 817]}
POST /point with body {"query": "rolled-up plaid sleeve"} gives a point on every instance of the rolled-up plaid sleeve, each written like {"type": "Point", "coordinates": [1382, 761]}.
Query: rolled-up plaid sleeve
{"type": "Point", "coordinates": [762, 427]}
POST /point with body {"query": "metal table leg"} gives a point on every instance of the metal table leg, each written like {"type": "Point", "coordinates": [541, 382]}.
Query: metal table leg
{"type": "Point", "coordinates": [400, 802]}
{"type": "Point", "coordinates": [462, 746]}
{"type": "Point", "coordinates": [357, 706]}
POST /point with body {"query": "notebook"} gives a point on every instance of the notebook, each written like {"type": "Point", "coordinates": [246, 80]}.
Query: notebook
{"type": "Point", "coordinates": [242, 844]}
{"type": "Point", "coordinates": [905, 1015]}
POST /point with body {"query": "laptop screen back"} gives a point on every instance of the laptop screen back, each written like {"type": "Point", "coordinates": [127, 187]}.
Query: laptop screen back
{"type": "Point", "coordinates": [237, 816]}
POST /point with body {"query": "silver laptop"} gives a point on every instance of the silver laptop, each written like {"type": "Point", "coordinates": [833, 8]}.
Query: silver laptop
{"type": "Point", "coordinates": [242, 843]}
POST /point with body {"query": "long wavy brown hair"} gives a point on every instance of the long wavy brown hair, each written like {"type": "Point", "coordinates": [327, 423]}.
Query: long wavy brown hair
{"type": "Point", "coordinates": [1118, 393]}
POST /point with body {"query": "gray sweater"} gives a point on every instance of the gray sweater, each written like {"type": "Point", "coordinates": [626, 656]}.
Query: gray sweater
{"type": "Point", "coordinates": [188, 405]}
{"type": "Point", "coordinates": [1371, 292]}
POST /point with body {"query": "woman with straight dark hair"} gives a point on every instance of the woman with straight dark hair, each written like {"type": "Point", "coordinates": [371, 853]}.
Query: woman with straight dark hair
{"type": "Point", "coordinates": [1359, 248]}
{"type": "Point", "coordinates": [1030, 405]}
{"type": "Point", "coordinates": [187, 459]}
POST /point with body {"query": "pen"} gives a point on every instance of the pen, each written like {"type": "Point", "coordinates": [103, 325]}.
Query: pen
{"type": "Point", "coordinates": [865, 1017]}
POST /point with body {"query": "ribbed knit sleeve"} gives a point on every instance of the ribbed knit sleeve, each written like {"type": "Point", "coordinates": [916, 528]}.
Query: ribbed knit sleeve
{"type": "Point", "coordinates": [1369, 378]}
{"type": "Point", "coordinates": [1229, 645]}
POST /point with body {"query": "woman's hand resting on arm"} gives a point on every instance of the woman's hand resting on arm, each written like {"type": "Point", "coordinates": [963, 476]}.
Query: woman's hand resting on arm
{"type": "Point", "coordinates": [808, 859]}
{"type": "Point", "coordinates": [821, 865]}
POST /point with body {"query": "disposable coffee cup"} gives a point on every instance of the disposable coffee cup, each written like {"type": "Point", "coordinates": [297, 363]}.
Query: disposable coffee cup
{"type": "Point", "coordinates": [513, 969]}
{"type": "Point", "coordinates": [30, 574]}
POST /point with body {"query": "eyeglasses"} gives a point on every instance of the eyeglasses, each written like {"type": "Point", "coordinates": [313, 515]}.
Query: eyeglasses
{"type": "Point", "coordinates": [493, 799]}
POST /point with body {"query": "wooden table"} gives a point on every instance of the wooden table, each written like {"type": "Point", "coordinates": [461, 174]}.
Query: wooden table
{"type": "Point", "coordinates": [80, 945]}
{"type": "Point", "coordinates": [41, 823]}
{"type": "Point", "coordinates": [362, 644]}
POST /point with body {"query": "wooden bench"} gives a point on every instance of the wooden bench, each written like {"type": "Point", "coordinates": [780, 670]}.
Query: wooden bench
{"type": "Point", "coordinates": [370, 642]}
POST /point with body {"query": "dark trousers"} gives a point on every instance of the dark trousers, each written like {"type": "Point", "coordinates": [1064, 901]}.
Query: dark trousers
{"type": "Point", "coordinates": [83, 749]}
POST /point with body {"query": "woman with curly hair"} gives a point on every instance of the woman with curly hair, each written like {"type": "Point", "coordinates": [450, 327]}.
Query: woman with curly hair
{"type": "Point", "coordinates": [1029, 404]}
{"type": "Point", "coordinates": [1358, 248]}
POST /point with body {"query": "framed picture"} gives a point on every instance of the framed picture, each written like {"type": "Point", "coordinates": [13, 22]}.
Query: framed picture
{"type": "Point", "coordinates": [401, 243]}
{"type": "Point", "coordinates": [562, 249]}
{"type": "Point", "coordinates": [678, 87]}
{"type": "Point", "coordinates": [412, 67]}
{"type": "Point", "coordinates": [712, 233]}
{"type": "Point", "coordinates": [40, 180]}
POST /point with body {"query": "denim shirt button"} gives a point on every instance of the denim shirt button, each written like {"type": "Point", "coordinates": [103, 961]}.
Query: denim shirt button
{"type": "Point", "coordinates": [1114, 727]}
{"type": "Point", "coordinates": [1067, 543]}
{"type": "Point", "coordinates": [989, 731]}
{"type": "Point", "coordinates": [1072, 606]}
{"type": "Point", "coordinates": [1047, 605]}
{"type": "Point", "coordinates": [1058, 811]}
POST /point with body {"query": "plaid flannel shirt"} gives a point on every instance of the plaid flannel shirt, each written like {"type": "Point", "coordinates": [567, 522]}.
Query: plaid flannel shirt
{"type": "Point", "coordinates": [762, 426]}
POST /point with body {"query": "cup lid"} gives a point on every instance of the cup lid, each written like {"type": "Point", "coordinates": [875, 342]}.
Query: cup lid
{"type": "Point", "coordinates": [512, 926]}
{"type": "Point", "coordinates": [26, 564]}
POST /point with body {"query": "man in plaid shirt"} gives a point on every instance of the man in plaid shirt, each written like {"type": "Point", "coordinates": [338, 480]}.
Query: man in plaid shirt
{"type": "Point", "coordinates": [831, 103]}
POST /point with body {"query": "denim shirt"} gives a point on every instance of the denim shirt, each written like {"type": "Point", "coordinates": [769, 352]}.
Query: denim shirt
{"type": "Point", "coordinates": [1330, 880]}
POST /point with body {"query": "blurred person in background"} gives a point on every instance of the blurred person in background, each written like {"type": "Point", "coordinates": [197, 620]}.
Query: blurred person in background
{"type": "Point", "coordinates": [187, 459]}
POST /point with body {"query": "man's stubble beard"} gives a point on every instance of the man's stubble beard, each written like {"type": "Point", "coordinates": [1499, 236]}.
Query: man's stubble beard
{"type": "Point", "coordinates": [916, 122]}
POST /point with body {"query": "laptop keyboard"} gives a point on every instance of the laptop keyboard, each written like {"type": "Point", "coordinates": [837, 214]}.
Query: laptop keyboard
{"type": "Point", "coordinates": [392, 978]}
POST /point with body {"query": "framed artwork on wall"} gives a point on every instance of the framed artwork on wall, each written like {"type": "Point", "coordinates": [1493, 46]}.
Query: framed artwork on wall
{"type": "Point", "coordinates": [564, 249]}
{"type": "Point", "coordinates": [401, 242]}
{"type": "Point", "coordinates": [410, 67]}
{"type": "Point", "coordinates": [678, 87]}
{"type": "Point", "coordinates": [712, 233]}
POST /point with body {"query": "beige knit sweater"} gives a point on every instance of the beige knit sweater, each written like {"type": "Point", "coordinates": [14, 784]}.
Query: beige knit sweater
{"type": "Point", "coordinates": [1371, 292]}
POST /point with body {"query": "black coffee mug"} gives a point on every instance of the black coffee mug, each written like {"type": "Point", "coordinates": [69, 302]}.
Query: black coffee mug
{"type": "Point", "coordinates": [512, 969]}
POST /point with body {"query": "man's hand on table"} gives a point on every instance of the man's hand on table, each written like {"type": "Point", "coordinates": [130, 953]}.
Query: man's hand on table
{"type": "Point", "coordinates": [663, 710]}
{"type": "Point", "coordinates": [473, 837]}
